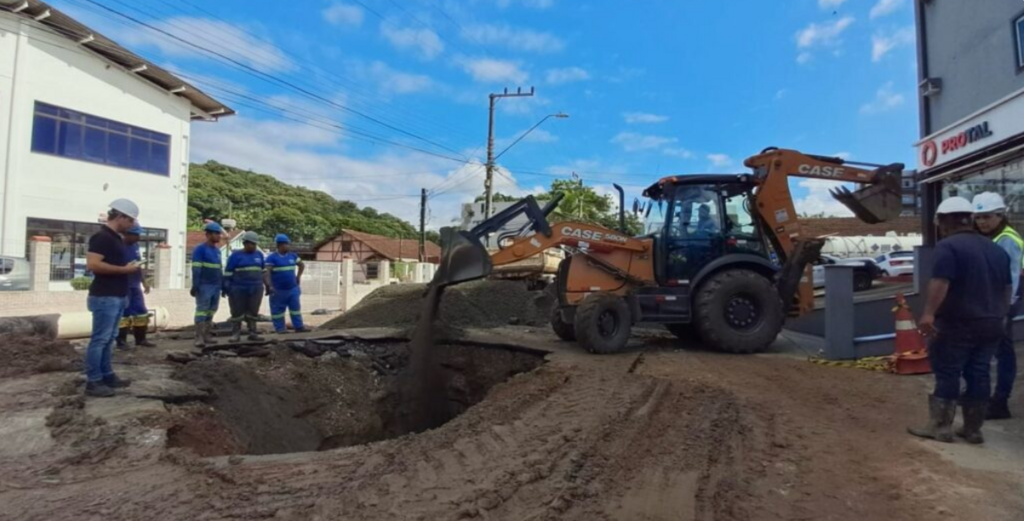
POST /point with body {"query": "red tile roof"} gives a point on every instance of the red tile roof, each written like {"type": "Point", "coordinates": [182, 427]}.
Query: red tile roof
{"type": "Point", "coordinates": [393, 249]}
{"type": "Point", "coordinates": [852, 227]}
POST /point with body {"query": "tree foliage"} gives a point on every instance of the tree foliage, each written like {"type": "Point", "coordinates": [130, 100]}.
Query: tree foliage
{"type": "Point", "coordinates": [267, 206]}
{"type": "Point", "coordinates": [582, 203]}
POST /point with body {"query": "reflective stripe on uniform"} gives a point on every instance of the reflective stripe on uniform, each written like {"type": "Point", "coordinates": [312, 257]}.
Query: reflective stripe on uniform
{"type": "Point", "coordinates": [213, 265]}
{"type": "Point", "coordinates": [228, 273]}
{"type": "Point", "coordinates": [249, 268]}
{"type": "Point", "coordinates": [284, 268]}
{"type": "Point", "coordinates": [279, 315]}
{"type": "Point", "coordinates": [1011, 234]}
{"type": "Point", "coordinates": [295, 313]}
{"type": "Point", "coordinates": [204, 313]}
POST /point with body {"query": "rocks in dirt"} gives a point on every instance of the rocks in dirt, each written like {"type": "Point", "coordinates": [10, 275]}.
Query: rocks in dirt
{"type": "Point", "coordinates": [381, 359]}
{"type": "Point", "coordinates": [183, 357]}
{"type": "Point", "coordinates": [480, 304]}
{"type": "Point", "coordinates": [91, 439]}
{"type": "Point", "coordinates": [24, 354]}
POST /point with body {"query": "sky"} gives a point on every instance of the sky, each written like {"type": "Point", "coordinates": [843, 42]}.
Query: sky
{"type": "Point", "coordinates": [374, 100]}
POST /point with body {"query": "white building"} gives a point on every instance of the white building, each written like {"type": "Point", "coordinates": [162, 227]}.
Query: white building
{"type": "Point", "coordinates": [85, 121]}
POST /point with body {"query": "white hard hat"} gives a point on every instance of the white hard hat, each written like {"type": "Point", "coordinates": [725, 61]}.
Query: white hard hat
{"type": "Point", "coordinates": [126, 207]}
{"type": "Point", "coordinates": [987, 202]}
{"type": "Point", "coordinates": [954, 205]}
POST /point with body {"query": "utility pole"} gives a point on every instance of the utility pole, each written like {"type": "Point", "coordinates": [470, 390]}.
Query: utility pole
{"type": "Point", "coordinates": [489, 180]}
{"type": "Point", "coordinates": [423, 224]}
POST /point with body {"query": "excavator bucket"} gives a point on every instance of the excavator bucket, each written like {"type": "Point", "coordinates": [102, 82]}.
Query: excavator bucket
{"type": "Point", "coordinates": [463, 258]}
{"type": "Point", "coordinates": [878, 202]}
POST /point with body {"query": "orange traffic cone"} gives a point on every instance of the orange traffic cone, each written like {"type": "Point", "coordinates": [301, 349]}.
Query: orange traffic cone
{"type": "Point", "coordinates": [911, 356]}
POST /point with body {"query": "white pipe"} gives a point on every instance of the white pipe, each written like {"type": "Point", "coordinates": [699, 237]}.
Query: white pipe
{"type": "Point", "coordinates": [79, 324]}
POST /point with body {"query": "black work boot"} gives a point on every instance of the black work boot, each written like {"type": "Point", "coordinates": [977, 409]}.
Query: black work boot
{"type": "Point", "coordinates": [140, 337]}
{"type": "Point", "coordinates": [998, 409]}
{"type": "Point", "coordinates": [974, 417]}
{"type": "Point", "coordinates": [200, 340]}
{"type": "Point", "coordinates": [98, 390]}
{"type": "Point", "coordinates": [253, 332]}
{"type": "Point", "coordinates": [940, 420]}
{"type": "Point", "coordinates": [236, 333]}
{"type": "Point", "coordinates": [208, 334]}
{"type": "Point", "coordinates": [114, 382]}
{"type": "Point", "coordinates": [122, 338]}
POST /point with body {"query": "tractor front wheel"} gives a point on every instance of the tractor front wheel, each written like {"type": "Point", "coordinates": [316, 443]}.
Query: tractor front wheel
{"type": "Point", "coordinates": [738, 311]}
{"type": "Point", "coordinates": [603, 323]}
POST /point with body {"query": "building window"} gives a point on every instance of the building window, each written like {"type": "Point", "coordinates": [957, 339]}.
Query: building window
{"type": "Point", "coordinates": [1019, 33]}
{"type": "Point", "coordinates": [67, 133]}
{"type": "Point", "coordinates": [372, 271]}
{"type": "Point", "coordinates": [346, 246]}
{"type": "Point", "coordinates": [1005, 180]}
{"type": "Point", "coordinates": [71, 244]}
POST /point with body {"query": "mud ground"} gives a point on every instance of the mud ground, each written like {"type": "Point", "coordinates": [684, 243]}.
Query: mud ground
{"type": "Point", "coordinates": [655, 433]}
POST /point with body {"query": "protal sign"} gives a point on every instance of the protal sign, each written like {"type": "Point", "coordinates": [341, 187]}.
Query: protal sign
{"type": "Point", "coordinates": [932, 152]}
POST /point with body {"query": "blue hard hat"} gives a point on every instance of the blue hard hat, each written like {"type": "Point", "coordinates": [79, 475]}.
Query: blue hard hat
{"type": "Point", "coordinates": [213, 227]}
{"type": "Point", "coordinates": [134, 230]}
{"type": "Point", "coordinates": [282, 238]}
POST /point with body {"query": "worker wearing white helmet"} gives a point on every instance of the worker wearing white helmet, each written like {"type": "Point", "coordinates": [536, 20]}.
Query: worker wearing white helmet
{"type": "Point", "coordinates": [990, 219]}
{"type": "Point", "coordinates": [966, 303]}
{"type": "Point", "coordinates": [108, 261]}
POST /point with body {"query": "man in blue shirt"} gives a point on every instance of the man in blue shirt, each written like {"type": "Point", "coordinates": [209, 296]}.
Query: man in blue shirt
{"type": "Point", "coordinates": [136, 316]}
{"type": "Point", "coordinates": [207, 283]}
{"type": "Point", "coordinates": [243, 285]}
{"type": "Point", "coordinates": [282, 277]}
{"type": "Point", "coordinates": [968, 297]}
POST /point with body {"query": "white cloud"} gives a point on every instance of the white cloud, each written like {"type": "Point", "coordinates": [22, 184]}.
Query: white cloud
{"type": "Point", "coordinates": [679, 152]}
{"type": "Point", "coordinates": [885, 7]}
{"type": "Point", "coordinates": [803, 57]}
{"type": "Point", "coordinates": [781, 93]}
{"type": "Point", "coordinates": [566, 75]}
{"type": "Point", "coordinates": [391, 81]}
{"type": "Point", "coordinates": [881, 44]}
{"type": "Point", "coordinates": [830, 4]}
{"type": "Point", "coordinates": [814, 36]}
{"type": "Point", "coordinates": [494, 71]}
{"type": "Point", "coordinates": [233, 42]}
{"type": "Point", "coordinates": [514, 38]}
{"type": "Point", "coordinates": [343, 14]}
{"type": "Point", "coordinates": [643, 117]}
{"type": "Point", "coordinates": [424, 42]}
{"type": "Point", "coordinates": [633, 142]}
{"type": "Point", "coordinates": [538, 135]}
{"type": "Point", "coordinates": [818, 200]}
{"type": "Point", "coordinates": [885, 99]}
{"type": "Point", "coordinates": [720, 160]}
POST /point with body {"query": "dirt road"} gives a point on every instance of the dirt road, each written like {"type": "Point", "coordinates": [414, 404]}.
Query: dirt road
{"type": "Point", "coordinates": [654, 434]}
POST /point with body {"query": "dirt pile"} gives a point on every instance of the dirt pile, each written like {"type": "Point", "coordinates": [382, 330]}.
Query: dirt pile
{"type": "Point", "coordinates": [480, 304]}
{"type": "Point", "coordinates": [31, 354]}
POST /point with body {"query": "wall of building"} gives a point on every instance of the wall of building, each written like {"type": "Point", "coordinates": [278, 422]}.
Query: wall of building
{"type": "Point", "coordinates": [37, 65]}
{"type": "Point", "coordinates": [972, 47]}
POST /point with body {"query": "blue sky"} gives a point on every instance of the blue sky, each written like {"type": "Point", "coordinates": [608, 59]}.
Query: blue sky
{"type": "Point", "coordinates": [652, 88]}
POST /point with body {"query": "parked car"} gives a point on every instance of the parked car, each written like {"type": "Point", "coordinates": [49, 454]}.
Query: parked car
{"type": "Point", "coordinates": [864, 273]}
{"type": "Point", "coordinates": [896, 264]}
{"type": "Point", "coordinates": [14, 274]}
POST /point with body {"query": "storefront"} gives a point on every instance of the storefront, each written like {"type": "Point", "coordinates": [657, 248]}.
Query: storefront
{"type": "Point", "coordinates": [71, 243]}
{"type": "Point", "coordinates": [983, 152]}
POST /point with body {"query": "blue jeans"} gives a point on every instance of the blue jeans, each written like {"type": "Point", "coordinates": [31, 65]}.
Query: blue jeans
{"type": "Point", "coordinates": [207, 302]}
{"type": "Point", "coordinates": [1006, 357]}
{"type": "Point", "coordinates": [956, 356]}
{"type": "Point", "coordinates": [288, 299]}
{"type": "Point", "coordinates": [106, 318]}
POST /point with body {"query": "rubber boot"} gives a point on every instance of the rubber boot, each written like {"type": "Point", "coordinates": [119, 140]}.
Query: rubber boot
{"type": "Point", "coordinates": [200, 341]}
{"type": "Point", "coordinates": [974, 417]}
{"type": "Point", "coordinates": [940, 421]}
{"type": "Point", "coordinates": [236, 333]}
{"type": "Point", "coordinates": [98, 390]}
{"type": "Point", "coordinates": [122, 338]}
{"type": "Point", "coordinates": [114, 382]}
{"type": "Point", "coordinates": [998, 409]}
{"type": "Point", "coordinates": [253, 332]}
{"type": "Point", "coordinates": [208, 334]}
{"type": "Point", "coordinates": [140, 336]}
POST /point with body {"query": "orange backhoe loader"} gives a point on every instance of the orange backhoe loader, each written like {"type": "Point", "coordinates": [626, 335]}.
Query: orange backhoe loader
{"type": "Point", "coordinates": [721, 255]}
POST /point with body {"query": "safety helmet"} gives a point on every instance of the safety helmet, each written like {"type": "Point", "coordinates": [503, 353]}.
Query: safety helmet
{"type": "Point", "coordinates": [250, 237]}
{"type": "Point", "coordinates": [212, 227]}
{"type": "Point", "coordinates": [954, 205]}
{"type": "Point", "coordinates": [125, 207]}
{"type": "Point", "coordinates": [136, 229]}
{"type": "Point", "coordinates": [988, 202]}
{"type": "Point", "coordinates": [282, 238]}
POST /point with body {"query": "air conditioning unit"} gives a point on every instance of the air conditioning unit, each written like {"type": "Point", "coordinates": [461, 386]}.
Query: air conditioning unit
{"type": "Point", "coordinates": [228, 224]}
{"type": "Point", "coordinates": [930, 87]}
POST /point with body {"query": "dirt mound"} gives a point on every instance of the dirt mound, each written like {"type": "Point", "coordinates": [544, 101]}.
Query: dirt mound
{"type": "Point", "coordinates": [30, 354]}
{"type": "Point", "coordinates": [480, 304]}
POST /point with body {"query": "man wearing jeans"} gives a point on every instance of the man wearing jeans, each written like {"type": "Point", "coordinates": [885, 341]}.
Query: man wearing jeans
{"type": "Point", "coordinates": [967, 301]}
{"type": "Point", "coordinates": [109, 264]}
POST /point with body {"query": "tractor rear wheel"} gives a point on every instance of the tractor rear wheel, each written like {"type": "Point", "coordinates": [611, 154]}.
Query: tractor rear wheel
{"type": "Point", "coordinates": [603, 323]}
{"type": "Point", "coordinates": [565, 330]}
{"type": "Point", "coordinates": [738, 311]}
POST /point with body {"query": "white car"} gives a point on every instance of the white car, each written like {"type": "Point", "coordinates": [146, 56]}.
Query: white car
{"type": "Point", "coordinates": [864, 273]}
{"type": "Point", "coordinates": [896, 264]}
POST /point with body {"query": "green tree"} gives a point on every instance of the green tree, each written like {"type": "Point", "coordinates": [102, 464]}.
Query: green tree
{"type": "Point", "coordinates": [582, 203]}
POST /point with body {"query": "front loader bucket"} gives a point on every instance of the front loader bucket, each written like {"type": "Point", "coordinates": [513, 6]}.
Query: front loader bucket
{"type": "Point", "coordinates": [463, 258]}
{"type": "Point", "coordinates": [878, 202]}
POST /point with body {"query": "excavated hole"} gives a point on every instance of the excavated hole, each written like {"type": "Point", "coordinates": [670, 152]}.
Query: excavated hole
{"type": "Point", "coordinates": [295, 402]}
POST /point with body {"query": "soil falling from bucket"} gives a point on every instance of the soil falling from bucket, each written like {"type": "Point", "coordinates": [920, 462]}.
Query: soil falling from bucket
{"type": "Point", "coordinates": [425, 391]}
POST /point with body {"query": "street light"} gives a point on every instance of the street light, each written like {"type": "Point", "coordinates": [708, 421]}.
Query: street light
{"type": "Point", "coordinates": [560, 115]}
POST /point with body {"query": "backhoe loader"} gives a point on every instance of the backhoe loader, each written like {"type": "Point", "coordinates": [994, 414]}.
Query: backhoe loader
{"type": "Point", "coordinates": [721, 255]}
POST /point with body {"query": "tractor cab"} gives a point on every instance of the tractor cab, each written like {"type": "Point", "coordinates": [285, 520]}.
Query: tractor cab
{"type": "Point", "coordinates": [698, 220]}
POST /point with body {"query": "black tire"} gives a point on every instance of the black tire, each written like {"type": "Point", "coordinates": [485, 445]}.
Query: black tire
{"type": "Point", "coordinates": [861, 281]}
{"type": "Point", "coordinates": [603, 323]}
{"type": "Point", "coordinates": [738, 311]}
{"type": "Point", "coordinates": [565, 330]}
{"type": "Point", "coordinates": [685, 332]}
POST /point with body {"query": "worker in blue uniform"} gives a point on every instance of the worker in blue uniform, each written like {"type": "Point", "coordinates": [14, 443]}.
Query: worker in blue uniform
{"type": "Point", "coordinates": [243, 285]}
{"type": "Point", "coordinates": [136, 316]}
{"type": "Point", "coordinates": [207, 283]}
{"type": "Point", "coordinates": [283, 277]}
